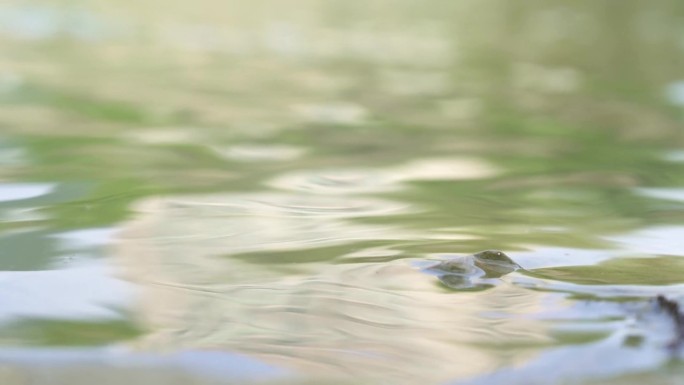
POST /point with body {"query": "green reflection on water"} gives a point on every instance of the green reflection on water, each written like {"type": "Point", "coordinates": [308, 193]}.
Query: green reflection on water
{"type": "Point", "coordinates": [41, 332]}
{"type": "Point", "coordinates": [626, 271]}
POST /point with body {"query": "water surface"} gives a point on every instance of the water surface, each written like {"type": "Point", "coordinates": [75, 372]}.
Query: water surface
{"type": "Point", "coordinates": [220, 192]}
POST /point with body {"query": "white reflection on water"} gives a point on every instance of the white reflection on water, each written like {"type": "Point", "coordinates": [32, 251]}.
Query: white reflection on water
{"type": "Point", "coordinates": [660, 240]}
{"type": "Point", "coordinates": [19, 191]}
{"type": "Point", "coordinates": [674, 156]}
{"type": "Point", "coordinates": [121, 366]}
{"type": "Point", "coordinates": [83, 239]}
{"type": "Point", "coordinates": [673, 194]}
{"type": "Point", "coordinates": [59, 294]}
{"type": "Point", "coordinates": [167, 135]}
{"type": "Point", "coordinates": [15, 215]}
{"type": "Point", "coordinates": [37, 22]}
{"type": "Point", "coordinates": [332, 113]}
{"type": "Point", "coordinates": [259, 153]}
{"type": "Point", "coordinates": [343, 181]}
{"type": "Point", "coordinates": [675, 93]}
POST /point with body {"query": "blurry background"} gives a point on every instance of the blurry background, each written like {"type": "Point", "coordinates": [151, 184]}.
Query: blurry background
{"type": "Point", "coordinates": [241, 190]}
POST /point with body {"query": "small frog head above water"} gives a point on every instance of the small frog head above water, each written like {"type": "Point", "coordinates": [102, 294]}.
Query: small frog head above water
{"type": "Point", "coordinates": [470, 271]}
{"type": "Point", "coordinates": [495, 263]}
{"type": "Point", "coordinates": [492, 255]}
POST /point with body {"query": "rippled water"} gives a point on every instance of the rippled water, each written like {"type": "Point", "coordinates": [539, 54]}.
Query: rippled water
{"type": "Point", "coordinates": [219, 192]}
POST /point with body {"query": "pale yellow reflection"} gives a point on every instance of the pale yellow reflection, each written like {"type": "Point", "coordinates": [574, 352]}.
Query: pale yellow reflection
{"type": "Point", "coordinates": [381, 321]}
{"type": "Point", "coordinates": [344, 181]}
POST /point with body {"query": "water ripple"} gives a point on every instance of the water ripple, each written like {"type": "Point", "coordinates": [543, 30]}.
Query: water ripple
{"type": "Point", "coordinates": [344, 181]}
{"type": "Point", "coordinates": [382, 320]}
{"type": "Point", "coordinates": [233, 223]}
{"type": "Point", "coordinates": [275, 205]}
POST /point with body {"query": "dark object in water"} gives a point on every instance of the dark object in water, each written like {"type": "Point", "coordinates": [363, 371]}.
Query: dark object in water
{"type": "Point", "coordinates": [477, 271]}
{"type": "Point", "coordinates": [672, 309]}
{"type": "Point", "coordinates": [495, 263]}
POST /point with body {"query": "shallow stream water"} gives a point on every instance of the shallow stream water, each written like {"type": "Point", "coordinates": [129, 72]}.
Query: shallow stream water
{"type": "Point", "coordinates": [219, 192]}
